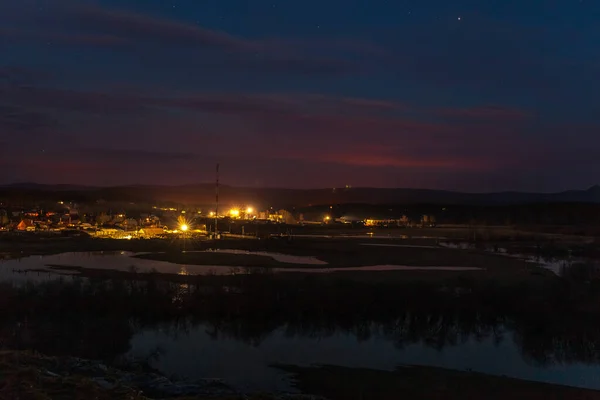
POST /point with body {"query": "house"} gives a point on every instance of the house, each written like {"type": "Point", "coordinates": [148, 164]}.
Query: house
{"type": "Point", "coordinates": [26, 225]}
{"type": "Point", "coordinates": [349, 219]}
{"type": "Point", "coordinates": [130, 224]}
{"type": "Point", "coordinates": [287, 217]}
{"type": "Point", "coordinates": [150, 232]}
{"type": "Point", "coordinates": [109, 232]}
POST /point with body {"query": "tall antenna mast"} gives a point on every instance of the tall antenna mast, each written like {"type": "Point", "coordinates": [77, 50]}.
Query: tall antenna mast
{"type": "Point", "coordinates": [217, 202]}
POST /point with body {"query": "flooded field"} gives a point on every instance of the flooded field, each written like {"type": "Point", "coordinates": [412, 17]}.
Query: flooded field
{"type": "Point", "coordinates": [237, 314]}
{"type": "Point", "coordinates": [40, 268]}
{"type": "Point", "coordinates": [284, 258]}
{"type": "Point", "coordinates": [558, 265]}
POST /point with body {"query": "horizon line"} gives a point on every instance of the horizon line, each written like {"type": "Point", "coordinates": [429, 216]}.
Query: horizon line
{"type": "Point", "coordinates": [131, 185]}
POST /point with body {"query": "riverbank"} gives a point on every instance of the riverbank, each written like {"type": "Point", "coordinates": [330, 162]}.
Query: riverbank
{"type": "Point", "coordinates": [31, 376]}
{"type": "Point", "coordinates": [417, 382]}
{"type": "Point", "coordinates": [514, 240]}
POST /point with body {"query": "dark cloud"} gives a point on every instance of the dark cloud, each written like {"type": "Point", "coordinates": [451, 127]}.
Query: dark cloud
{"type": "Point", "coordinates": [381, 158]}
{"type": "Point", "coordinates": [299, 64]}
{"type": "Point", "coordinates": [15, 119]}
{"type": "Point", "coordinates": [50, 38]}
{"type": "Point", "coordinates": [325, 130]}
{"type": "Point", "coordinates": [143, 27]}
{"type": "Point", "coordinates": [132, 25]}
{"type": "Point", "coordinates": [254, 106]}
{"type": "Point", "coordinates": [95, 25]}
{"type": "Point", "coordinates": [69, 100]}
{"type": "Point", "coordinates": [260, 64]}
{"type": "Point", "coordinates": [14, 75]}
{"type": "Point", "coordinates": [485, 113]}
{"type": "Point", "coordinates": [340, 104]}
{"type": "Point", "coordinates": [268, 106]}
{"type": "Point", "coordinates": [132, 155]}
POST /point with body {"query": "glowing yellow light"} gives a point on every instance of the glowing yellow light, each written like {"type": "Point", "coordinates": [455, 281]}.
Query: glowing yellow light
{"type": "Point", "coordinates": [183, 223]}
{"type": "Point", "coordinates": [327, 218]}
{"type": "Point", "coordinates": [212, 213]}
{"type": "Point", "coordinates": [249, 210]}
{"type": "Point", "coordinates": [234, 212]}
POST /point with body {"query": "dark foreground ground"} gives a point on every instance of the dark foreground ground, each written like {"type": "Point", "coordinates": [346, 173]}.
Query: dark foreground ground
{"type": "Point", "coordinates": [512, 239]}
{"type": "Point", "coordinates": [414, 382]}
{"type": "Point", "coordinates": [29, 376]}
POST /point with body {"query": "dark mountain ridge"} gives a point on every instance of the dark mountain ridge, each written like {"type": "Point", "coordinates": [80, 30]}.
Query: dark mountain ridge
{"type": "Point", "coordinates": [280, 197]}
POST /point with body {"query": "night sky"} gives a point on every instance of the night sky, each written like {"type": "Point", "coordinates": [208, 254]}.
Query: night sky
{"type": "Point", "coordinates": [463, 95]}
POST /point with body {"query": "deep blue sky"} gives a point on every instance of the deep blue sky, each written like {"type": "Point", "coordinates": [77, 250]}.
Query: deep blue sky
{"type": "Point", "coordinates": [465, 95]}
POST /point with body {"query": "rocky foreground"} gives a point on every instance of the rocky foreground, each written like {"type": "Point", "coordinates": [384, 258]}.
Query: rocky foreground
{"type": "Point", "coordinates": [30, 376]}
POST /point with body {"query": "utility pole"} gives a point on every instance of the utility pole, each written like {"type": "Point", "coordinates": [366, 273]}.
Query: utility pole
{"type": "Point", "coordinates": [217, 203]}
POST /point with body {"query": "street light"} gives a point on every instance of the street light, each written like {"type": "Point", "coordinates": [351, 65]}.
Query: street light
{"type": "Point", "coordinates": [184, 227]}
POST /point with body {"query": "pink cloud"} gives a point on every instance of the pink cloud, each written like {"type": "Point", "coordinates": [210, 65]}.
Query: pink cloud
{"type": "Point", "coordinates": [54, 37]}
{"type": "Point", "coordinates": [125, 24]}
{"type": "Point", "coordinates": [373, 159]}
{"type": "Point", "coordinates": [129, 23]}
{"type": "Point", "coordinates": [326, 130]}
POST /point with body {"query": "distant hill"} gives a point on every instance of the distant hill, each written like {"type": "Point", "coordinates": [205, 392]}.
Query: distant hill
{"type": "Point", "coordinates": [277, 197]}
{"type": "Point", "coordinates": [42, 187]}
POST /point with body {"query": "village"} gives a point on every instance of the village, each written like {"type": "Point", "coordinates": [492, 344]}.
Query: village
{"type": "Point", "coordinates": [148, 222]}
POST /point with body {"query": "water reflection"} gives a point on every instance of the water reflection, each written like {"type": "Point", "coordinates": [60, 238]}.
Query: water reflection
{"type": "Point", "coordinates": [197, 353]}
{"type": "Point", "coordinates": [236, 329]}
{"type": "Point", "coordinates": [44, 268]}
{"type": "Point", "coordinates": [284, 258]}
{"type": "Point", "coordinates": [558, 265]}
